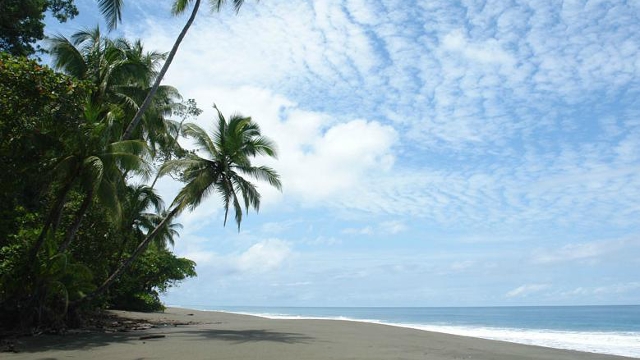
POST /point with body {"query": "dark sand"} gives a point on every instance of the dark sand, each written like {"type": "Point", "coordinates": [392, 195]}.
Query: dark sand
{"type": "Point", "coordinates": [213, 335]}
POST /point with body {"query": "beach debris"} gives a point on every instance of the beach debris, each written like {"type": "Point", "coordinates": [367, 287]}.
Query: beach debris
{"type": "Point", "coordinates": [7, 345]}
{"type": "Point", "coordinates": [152, 336]}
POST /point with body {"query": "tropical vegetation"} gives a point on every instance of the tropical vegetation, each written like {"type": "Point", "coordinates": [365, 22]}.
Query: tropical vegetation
{"type": "Point", "coordinates": [81, 224]}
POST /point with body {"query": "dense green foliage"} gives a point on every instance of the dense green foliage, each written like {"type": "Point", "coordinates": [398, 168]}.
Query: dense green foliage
{"type": "Point", "coordinates": [37, 109]}
{"type": "Point", "coordinates": [22, 22]}
{"type": "Point", "coordinates": [77, 228]}
{"type": "Point", "coordinates": [76, 232]}
{"type": "Point", "coordinates": [55, 154]}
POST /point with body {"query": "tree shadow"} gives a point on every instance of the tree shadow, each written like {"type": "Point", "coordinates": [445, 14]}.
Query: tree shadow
{"type": "Point", "coordinates": [245, 336]}
{"type": "Point", "coordinates": [41, 343]}
{"type": "Point", "coordinates": [92, 340]}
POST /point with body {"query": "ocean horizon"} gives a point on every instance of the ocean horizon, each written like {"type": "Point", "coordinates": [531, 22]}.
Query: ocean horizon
{"type": "Point", "coordinates": [613, 329]}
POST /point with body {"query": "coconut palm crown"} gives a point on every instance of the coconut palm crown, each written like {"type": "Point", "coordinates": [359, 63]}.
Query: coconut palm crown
{"type": "Point", "coordinates": [112, 11]}
{"type": "Point", "coordinates": [226, 158]}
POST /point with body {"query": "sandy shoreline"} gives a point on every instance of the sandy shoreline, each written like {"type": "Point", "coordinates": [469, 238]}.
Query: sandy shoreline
{"type": "Point", "coordinates": [214, 335]}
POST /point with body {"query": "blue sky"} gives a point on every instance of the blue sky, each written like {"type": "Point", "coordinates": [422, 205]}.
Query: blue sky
{"type": "Point", "coordinates": [458, 153]}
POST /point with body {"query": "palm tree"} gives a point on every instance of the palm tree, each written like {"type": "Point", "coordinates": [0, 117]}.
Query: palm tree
{"type": "Point", "coordinates": [227, 157]}
{"type": "Point", "coordinates": [140, 199]}
{"type": "Point", "coordinates": [111, 9]}
{"type": "Point", "coordinates": [96, 165]}
{"type": "Point", "coordinates": [143, 210]}
{"type": "Point", "coordinates": [122, 74]}
{"type": "Point", "coordinates": [100, 166]}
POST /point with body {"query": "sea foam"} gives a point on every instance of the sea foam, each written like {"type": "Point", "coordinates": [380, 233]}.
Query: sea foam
{"type": "Point", "coordinates": [611, 343]}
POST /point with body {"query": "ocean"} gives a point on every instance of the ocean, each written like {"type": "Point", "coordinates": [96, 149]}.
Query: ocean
{"type": "Point", "coordinates": [599, 329]}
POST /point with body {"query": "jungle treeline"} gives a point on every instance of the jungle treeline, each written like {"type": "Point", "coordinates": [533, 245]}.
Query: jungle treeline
{"type": "Point", "coordinates": [83, 142]}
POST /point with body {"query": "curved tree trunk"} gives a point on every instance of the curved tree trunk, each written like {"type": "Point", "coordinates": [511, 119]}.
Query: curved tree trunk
{"type": "Point", "coordinates": [53, 219]}
{"type": "Point", "coordinates": [73, 229]}
{"type": "Point", "coordinates": [125, 265]}
{"type": "Point", "coordinates": [147, 101]}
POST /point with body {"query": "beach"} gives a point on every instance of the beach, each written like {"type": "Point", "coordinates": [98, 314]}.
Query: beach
{"type": "Point", "coordinates": [190, 334]}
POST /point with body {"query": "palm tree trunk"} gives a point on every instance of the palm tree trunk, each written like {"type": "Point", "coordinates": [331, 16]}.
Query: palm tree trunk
{"type": "Point", "coordinates": [147, 101]}
{"type": "Point", "coordinates": [73, 229]}
{"type": "Point", "coordinates": [125, 265]}
{"type": "Point", "coordinates": [53, 219]}
{"type": "Point", "coordinates": [175, 141]}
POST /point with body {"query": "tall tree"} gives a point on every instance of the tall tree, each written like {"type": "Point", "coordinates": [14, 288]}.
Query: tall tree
{"type": "Point", "coordinates": [122, 73]}
{"type": "Point", "coordinates": [226, 159]}
{"type": "Point", "coordinates": [22, 22]}
{"type": "Point", "coordinates": [95, 158]}
{"type": "Point", "coordinates": [37, 107]}
{"type": "Point", "coordinates": [111, 9]}
{"type": "Point", "coordinates": [38, 111]}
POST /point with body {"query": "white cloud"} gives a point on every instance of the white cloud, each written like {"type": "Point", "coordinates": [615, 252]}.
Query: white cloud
{"type": "Point", "coordinates": [368, 230]}
{"type": "Point", "coordinates": [277, 227]}
{"type": "Point", "coordinates": [494, 121]}
{"type": "Point", "coordinates": [526, 290]}
{"type": "Point", "coordinates": [264, 256]}
{"type": "Point", "coordinates": [339, 159]}
{"type": "Point", "coordinates": [591, 251]}
{"type": "Point", "coordinates": [383, 228]}
{"type": "Point", "coordinates": [323, 81]}
{"type": "Point", "coordinates": [322, 241]}
{"type": "Point", "coordinates": [202, 258]}
{"type": "Point", "coordinates": [393, 227]}
{"type": "Point", "coordinates": [607, 290]}
{"type": "Point", "coordinates": [462, 265]}
{"type": "Point", "coordinates": [489, 51]}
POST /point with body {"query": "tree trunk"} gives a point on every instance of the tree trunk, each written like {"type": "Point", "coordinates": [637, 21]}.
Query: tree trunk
{"type": "Point", "coordinates": [73, 229]}
{"type": "Point", "coordinates": [125, 265]}
{"type": "Point", "coordinates": [53, 218]}
{"type": "Point", "coordinates": [147, 101]}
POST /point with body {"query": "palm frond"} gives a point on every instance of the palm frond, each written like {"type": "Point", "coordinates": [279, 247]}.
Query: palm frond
{"type": "Point", "coordinates": [236, 205]}
{"type": "Point", "coordinates": [87, 39]}
{"type": "Point", "coordinates": [263, 173]}
{"type": "Point", "coordinates": [217, 4]}
{"type": "Point", "coordinates": [198, 188]}
{"type": "Point", "coordinates": [94, 172]}
{"type": "Point", "coordinates": [179, 6]}
{"type": "Point", "coordinates": [66, 56]}
{"type": "Point", "coordinates": [134, 147]}
{"type": "Point", "coordinates": [107, 194]}
{"type": "Point", "coordinates": [233, 143]}
{"type": "Point", "coordinates": [177, 165]}
{"type": "Point", "coordinates": [249, 193]}
{"type": "Point", "coordinates": [66, 167]}
{"type": "Point", "coordinates": [203, 141]}
{"type": "Point", "coordinates": [112, 12]}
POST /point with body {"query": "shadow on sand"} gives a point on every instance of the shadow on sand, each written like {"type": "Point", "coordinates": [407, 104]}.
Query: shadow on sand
{"type": "Point", "coordinates": [92, 340]}
{"type": "Point", "coordinates": [245, 336]}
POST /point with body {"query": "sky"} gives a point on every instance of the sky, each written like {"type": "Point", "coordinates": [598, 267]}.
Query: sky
{"type": "Point", "coordinates": [432, 153]}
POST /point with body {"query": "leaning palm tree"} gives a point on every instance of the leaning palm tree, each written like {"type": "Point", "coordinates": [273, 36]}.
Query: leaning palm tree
{"type": "Point", "coordinates": [218, 165]}
{"type": "Point", "coordinates": [100, 165]}
{"type": "Point", "coordinates": [96, 166]}
{"type": "Point", "coordinates": [118, 71]}
{"type": "Point", "coordinates": [143, 211]}
{"type": "Point", "coordinates": [112, 10]}
{"type": "Point", "coordinates": [228, 157]}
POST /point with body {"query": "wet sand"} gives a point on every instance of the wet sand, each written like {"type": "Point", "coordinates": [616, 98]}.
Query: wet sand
{"type": "Point", "coordinates": [189, 334]}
